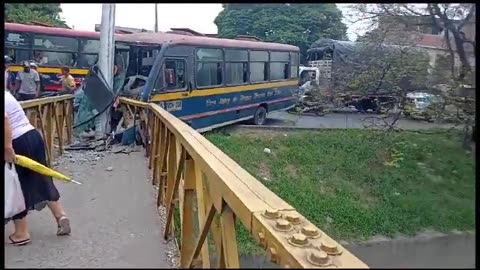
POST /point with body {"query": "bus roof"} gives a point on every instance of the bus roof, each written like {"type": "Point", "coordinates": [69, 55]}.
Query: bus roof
{"type": "Point", "coordinates": [17, 27]}
{"type": "Point", "coordinates": [153, 38]}
{"type": "Point", "coordinates": [159, 38]}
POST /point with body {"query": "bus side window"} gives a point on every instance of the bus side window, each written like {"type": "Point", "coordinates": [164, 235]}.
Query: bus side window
{"type": "Point", "coordinates": [294, 61]}
{"type": "Point", "coordinates": [209, 67]}
{"type": "Point", "coordinates": [278, 71]}
{"type": "Point", "coordinates": [285, 71]}
{"type": "Point", "coordinates": [259, 66]}
{"type": "Point", "coordinates": [279, 65]}
{"type": "Point", "coordinates": [18, 56]}
{"type": "Point", "coordinates": [266, 71]}
{"type": "Point", "coordinates": [174, 74]}
{"type": "Point", "coordinates": [236, 66]}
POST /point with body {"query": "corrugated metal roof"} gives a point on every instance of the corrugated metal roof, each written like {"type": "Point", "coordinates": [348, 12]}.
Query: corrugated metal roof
{"type": "Point", "coordinates": [127, 30]}
{"type": "Point", "coordinates": [432, 41]}
{"type": "Point", "coordinates": [187, 30]}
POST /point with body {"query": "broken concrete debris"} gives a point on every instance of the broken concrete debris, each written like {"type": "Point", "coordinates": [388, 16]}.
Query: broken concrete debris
{"type": "Point", "coordinates": [81, 157]}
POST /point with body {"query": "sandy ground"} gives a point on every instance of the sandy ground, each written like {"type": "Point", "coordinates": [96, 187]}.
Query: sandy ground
{"type": "Point", "coordinates": [115, 223]}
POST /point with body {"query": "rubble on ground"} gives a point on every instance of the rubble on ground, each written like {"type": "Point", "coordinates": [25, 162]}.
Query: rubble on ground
{"type": "Point", "coordinates": [91, 151]}
{"type": "Point", "coordinates": [82, 157]}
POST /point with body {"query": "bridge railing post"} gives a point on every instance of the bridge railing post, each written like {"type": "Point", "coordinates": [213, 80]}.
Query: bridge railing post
{"type": "Point", "coordinates": [51, 116]}
{"type": "Point", "coordinates": [209, 192]}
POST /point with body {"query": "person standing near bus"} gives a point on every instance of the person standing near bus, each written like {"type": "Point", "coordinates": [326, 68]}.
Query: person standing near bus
{"type": "Point", "coordinates": [67, 81]}
{"type": "Point", "coordinates": [28, 83]}
{"type": "Point", "coordinates": [34, 66]}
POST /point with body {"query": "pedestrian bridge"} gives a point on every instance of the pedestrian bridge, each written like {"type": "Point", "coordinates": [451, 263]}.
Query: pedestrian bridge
{"type": "Point", "coordinates": [198, 187]}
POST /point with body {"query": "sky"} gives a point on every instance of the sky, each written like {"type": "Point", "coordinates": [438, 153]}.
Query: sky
{"type": "Point", "coordinates": [198, 17]}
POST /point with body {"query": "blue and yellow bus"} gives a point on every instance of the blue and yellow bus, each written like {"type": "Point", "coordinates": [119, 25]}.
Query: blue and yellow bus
{"type": "Point", "coordinates": [211, 82]}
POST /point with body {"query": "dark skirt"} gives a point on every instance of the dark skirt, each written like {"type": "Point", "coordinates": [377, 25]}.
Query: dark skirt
{"type": "Point", "coordinates": [37, 189]}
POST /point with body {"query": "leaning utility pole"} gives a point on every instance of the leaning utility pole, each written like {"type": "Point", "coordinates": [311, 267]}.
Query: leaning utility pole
{"type": "Point", "coordinates": [156, 19]}
{"type": "Point", "coordinates": [106, 60]}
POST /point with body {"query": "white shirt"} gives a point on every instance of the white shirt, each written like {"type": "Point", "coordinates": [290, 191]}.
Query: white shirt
{"type": "Point", "coordinates": [28, 82]}
{"type": "Point", "coordinates": [6, 78]}
{"type": "Point", "coordinates": [16, 116]}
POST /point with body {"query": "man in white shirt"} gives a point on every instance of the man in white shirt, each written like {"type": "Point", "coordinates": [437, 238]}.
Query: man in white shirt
{"type": "Point", "coordinates": [28, 83]}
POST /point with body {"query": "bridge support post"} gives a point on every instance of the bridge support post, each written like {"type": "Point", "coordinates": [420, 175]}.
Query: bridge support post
{"type": "Point", "coordinates": [106, 59]}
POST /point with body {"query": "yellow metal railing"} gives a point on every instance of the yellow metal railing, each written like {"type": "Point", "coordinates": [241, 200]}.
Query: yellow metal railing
{"type": "Point", "coordinates": [193, 174]}
{"type": "Point", "coordinates": [53, 116]}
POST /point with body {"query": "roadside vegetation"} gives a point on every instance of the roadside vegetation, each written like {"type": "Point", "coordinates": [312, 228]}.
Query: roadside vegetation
{"type": "Point", "coordinates": [355, 184]}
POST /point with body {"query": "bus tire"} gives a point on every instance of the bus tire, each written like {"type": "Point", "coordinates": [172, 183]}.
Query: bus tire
{"type": "Point", "coordinates": [260, 116]}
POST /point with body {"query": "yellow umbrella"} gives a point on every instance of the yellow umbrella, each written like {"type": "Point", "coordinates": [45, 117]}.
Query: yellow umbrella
{"type": "Point", "coordinates": [39, 168]}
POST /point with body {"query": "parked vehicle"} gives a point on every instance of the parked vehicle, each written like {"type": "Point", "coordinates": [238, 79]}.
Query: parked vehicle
{"type": "Point", "coordinates": [308, 74]}
{"type": "Point", "coordinates": [212, 82]}
{"type": "Point", "coordinates": [51, 48]}
{"type": "Point", "coordinates": [422, 105]}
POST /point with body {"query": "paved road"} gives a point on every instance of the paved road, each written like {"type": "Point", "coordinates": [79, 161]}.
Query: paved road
{"type": "Point", "coordinates": [338, 120]}
{"type": "Point", "coordinates": [115, 223]}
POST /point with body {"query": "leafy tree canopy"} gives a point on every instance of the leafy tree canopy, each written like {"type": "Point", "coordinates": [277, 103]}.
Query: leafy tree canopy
{"type": "Point", "coordinates": [27, 13]}
{"type": "Point", "coordinates": [295, 24]}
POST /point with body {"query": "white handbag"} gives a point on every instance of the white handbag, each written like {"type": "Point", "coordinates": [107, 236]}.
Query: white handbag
{"type": "Point", "coordinates": [14, 200]}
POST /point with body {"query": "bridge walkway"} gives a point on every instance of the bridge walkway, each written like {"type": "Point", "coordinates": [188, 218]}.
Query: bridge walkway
{"type": "Point", "coordinates": [200, 192]}
{"type": "Point", "coordinates": [114, 218]}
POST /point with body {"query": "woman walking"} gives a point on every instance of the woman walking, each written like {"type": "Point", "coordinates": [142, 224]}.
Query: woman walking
{"type": "Point", "coordinates": [23, 139]}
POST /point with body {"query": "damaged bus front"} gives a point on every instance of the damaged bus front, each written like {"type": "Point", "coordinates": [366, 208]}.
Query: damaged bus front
{"type": "Point", "coordinates": [206, 82]}
{"type": "Point", "coordinates": [210, 82]}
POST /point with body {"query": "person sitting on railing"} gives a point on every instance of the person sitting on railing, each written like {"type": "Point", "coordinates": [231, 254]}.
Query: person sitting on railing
{"type": "Point", "coordinates": [28, 83]}
{"type": "Point", "coordinates": [22, 138]}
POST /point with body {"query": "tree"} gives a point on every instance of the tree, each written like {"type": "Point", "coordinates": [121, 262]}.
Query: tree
{"type": "Point", "coordinates": [295, 24]}
{"type": "Point", "coordinates": [27, 13]}
{"type": "Point", "coordinates": [451, 18]}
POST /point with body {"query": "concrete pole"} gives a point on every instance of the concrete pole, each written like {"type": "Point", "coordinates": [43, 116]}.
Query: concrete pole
{"type": "Point", "coordinates": [156, 18]}
{"type": "Point", "coordinates": [106, 60]}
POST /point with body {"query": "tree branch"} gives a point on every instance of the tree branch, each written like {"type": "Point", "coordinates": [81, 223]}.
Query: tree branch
{"type": "Point", "coordinates": [467, 18]}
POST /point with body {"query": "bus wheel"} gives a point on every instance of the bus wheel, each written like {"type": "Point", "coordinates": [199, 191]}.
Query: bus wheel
{"type": "Point", "coordinates": [260, 116]}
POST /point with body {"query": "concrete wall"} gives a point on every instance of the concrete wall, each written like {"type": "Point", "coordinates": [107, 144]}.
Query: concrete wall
{"type": "Point", "coordinates": [428, 251]}
{"type": "Point", "coordinates": [432, 250]}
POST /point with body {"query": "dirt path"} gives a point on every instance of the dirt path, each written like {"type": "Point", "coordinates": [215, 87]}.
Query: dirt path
{"type": "Point", "coordinates": [115, 223]}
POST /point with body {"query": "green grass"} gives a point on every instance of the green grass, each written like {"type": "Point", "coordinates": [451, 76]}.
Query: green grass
{"type": "Point", "coordinates": [353, 184]}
